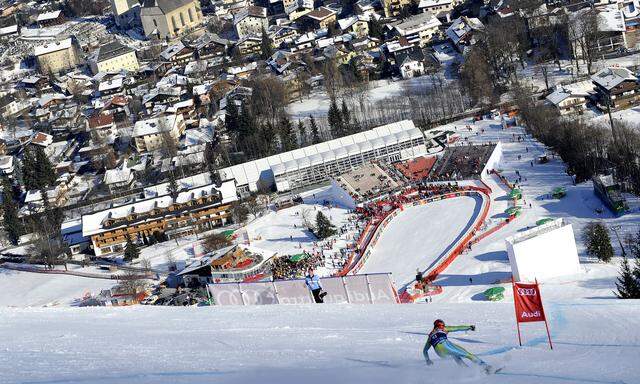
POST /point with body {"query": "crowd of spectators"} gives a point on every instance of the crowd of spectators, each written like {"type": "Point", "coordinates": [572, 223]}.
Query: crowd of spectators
{"type": "Point", "coordinates": [288, 268]}
{"type": "Point", "coordinates": [462, 162]}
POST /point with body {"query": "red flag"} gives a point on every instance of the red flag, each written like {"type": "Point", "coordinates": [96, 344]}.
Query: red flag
{"type": "Point", "coordinates": [528, 302]}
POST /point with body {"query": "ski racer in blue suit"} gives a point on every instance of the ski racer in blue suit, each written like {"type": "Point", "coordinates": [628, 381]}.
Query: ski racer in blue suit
{"type": "Point", "coordinates": [446, 349]}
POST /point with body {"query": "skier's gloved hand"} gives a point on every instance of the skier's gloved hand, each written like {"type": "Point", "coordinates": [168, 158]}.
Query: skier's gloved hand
{"type": "Point", "coordinates": [472, 327]}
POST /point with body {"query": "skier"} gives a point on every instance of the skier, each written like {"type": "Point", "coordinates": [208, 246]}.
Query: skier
{"type": "Point", "coordinates": [445, 349]}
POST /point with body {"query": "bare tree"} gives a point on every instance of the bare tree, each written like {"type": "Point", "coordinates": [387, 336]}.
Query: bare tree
{"type": "Point", "coordinates": [215, 241]}
{"type": "Point", "coordinates": [131, 282]}
{"type": "Point", "coordinates": [253, 206]}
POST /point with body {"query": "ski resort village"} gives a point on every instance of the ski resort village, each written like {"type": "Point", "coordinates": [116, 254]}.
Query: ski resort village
{"type": "Point", "coordinates": [320, 191]}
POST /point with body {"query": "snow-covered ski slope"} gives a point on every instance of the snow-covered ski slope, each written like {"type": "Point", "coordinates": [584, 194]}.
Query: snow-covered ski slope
{"type": "Point", "coordinates": [420, 236]}
{"type": "Point", "coordinates": [315, 344]}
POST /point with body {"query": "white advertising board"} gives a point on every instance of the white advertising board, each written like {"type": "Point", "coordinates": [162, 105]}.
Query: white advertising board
{"type": "Point", "coordinates": [544, 252]}
{"type": "Point", "coordinates": [354, 289]}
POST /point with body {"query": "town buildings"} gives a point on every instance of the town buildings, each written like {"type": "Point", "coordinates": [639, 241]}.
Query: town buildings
{"type": "Point", "coordinates": [189, 211]}
{"type": "Point", "coordinates": [57, 56]}
{"type": "Point", "coordinates": [170, 18]}
{"type": "Point", "coordinates": [114, 57]}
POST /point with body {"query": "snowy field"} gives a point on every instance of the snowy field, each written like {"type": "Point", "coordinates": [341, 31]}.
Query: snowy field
{"type": "Point", "coordinates": [419, 236]}
{"type": "Point", "coordinates": [318, 102]}
{"type": "Point", "coordinates": [26, 289]}
{"type": "Point", "coordinates": [315, 344]}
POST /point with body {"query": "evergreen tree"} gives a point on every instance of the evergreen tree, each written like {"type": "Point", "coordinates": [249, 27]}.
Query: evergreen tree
{"type": "Point", "coordinates": [376, 29]}
{"type": "Point", "coordinates": [335, 120]}
{"type": "Point", "coordinates": [633, 244]}
{"type": "Point", "coordinates": [287, 135]}
{"type": "Point", "coordinates": [346, 118]}
{"type": "Point", "coordinates": [12, 224]}
{"type": "Point", "coordinates": [29, 171]}
{"type": "Point", "coordinates": [265, 46]}
{"type": "Point", "coordinates": [37, 170]}
{"type": "Point", "coordinates": [173, 186]}
{"type": "Point", "coordinates": [304, 140]}
{"type": "Point", "coordinates": [315, 134]}
{"type": "Point", "coordinates": [246, 130]}
{"type": "Point", "coordinates": [210, 157]}
{"type": "Point", "coordinates": [232, 119]}
{"type": "Point", "coordinates": [267, 139]}
{"type": "Point", "coordinates": [324, 228]}
{"type": "Point", "coordinates": [45, 172]}
{"type": "Point", "coordinates": [628, 285]}
{"type": "Point", "coordinates": [131, 250]}
{"type": "Point", "coordinates": [598, 242]}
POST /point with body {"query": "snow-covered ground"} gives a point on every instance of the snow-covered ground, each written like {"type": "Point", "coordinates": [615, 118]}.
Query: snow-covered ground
{"type": "Point", "coordinates": [318, 102]}
{"type": "Point", "coordinates": [487, 262]}
{"type": "Point", "coordinates": [594, 333]}
{"type": "Point", "coordinates": [315, 344]}
{"type": "Point", "coordinates": [419, 236]}
{"type": "Point", "coordinates": [27, 289]}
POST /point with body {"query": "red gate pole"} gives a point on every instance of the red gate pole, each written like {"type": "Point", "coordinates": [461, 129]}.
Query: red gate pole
{"type": "Point", "coordinates": [545, 317]}
{"type": "Point", "coordinates": [513, 286]}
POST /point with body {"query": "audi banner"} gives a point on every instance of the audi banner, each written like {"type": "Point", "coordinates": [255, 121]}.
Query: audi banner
{"type": "Point", "coordinates": [528, 304]}
{"type": "Point", "coordinates": [526, 297]}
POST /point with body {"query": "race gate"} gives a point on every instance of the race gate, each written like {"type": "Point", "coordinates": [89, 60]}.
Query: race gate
{"type": "Point", "coordinates": [374, 288]}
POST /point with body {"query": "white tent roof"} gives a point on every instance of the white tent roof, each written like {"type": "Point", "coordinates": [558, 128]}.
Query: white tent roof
{"type": "Point", "coordinates": [249, 173]}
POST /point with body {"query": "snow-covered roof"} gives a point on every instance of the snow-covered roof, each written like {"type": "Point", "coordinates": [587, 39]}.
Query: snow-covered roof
{"type": "Point", "coordinates": [113, 83]}
{"type": "Point", "coordinates": [249, 173]}
{"type": "Point", "coordinates": [579, 89]}
{"type": "Point", "coordinates": [48, 15]}
{"type": "Point", "coordinates": [463, 26]}
{"type": "Point", "coordinates": [433, 3]}
{"type": "Point", "coordinates": [417, 23]}
{"type": "Point", "coordinates": [172, 50]}
{"type": "Point", "coordinates": [118, 175]}
{"type": "Point", "coordinates": [250, 11]}
{"type": "Point", "coordinates": [611, 19]}
{"type": "Point", "coordinates": [9, 30]}
{"type": "Point", "coordinates": [93, 223]}
{"type": "Point", "coordinates": [242, 68]}
{"type": "Point", "coordinates": [349, 21]}
{"type": "Point", "coordinates": [631, 9]}
{"type": "Point", "coordinates": [154, 125]}
{"type": "Point", "coordinates": [6, 163]}
{"type": "Point", "coordinates": [53, 47]}
{"type": "Point", "coordinates": [611, 77]}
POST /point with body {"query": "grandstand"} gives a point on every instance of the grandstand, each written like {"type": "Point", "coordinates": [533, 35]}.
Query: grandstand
{"type": "Point", "coordinates": [367, 182]}
{"type": "Point", "coordinates": [417, 169]}
{"type": "Point", "coordinates": [317, 163]}
{"type": "Point", "coordinates": [462, 162]}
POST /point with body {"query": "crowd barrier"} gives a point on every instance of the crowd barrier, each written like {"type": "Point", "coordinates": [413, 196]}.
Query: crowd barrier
{"type": "Point", "coordinates": [462, 244]}
{"type": "Point", "coordinates": [355, 289]}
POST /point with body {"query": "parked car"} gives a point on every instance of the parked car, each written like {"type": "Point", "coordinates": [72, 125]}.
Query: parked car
{"type": "Point", "coordinates": [149, 300]}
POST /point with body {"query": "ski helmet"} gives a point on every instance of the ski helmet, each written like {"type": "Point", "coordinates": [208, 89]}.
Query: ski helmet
{"type": "Point", "coordinates": [438, 321]}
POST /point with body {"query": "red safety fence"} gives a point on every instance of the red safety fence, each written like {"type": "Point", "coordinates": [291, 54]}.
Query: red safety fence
{"type": "Point", "coordinates": [377, 224]}
{"type": "Point", "coordinates": [461, 244]}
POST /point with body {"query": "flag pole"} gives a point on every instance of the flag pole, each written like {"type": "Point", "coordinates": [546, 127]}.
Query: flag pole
{"type": "Point", "coordinates": [513, 286]}
{"type": "Point", "coordinates": [545, 317]}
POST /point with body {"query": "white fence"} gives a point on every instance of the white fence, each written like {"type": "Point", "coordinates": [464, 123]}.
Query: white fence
{"type": "Point", "coordinates": [356, 289]}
